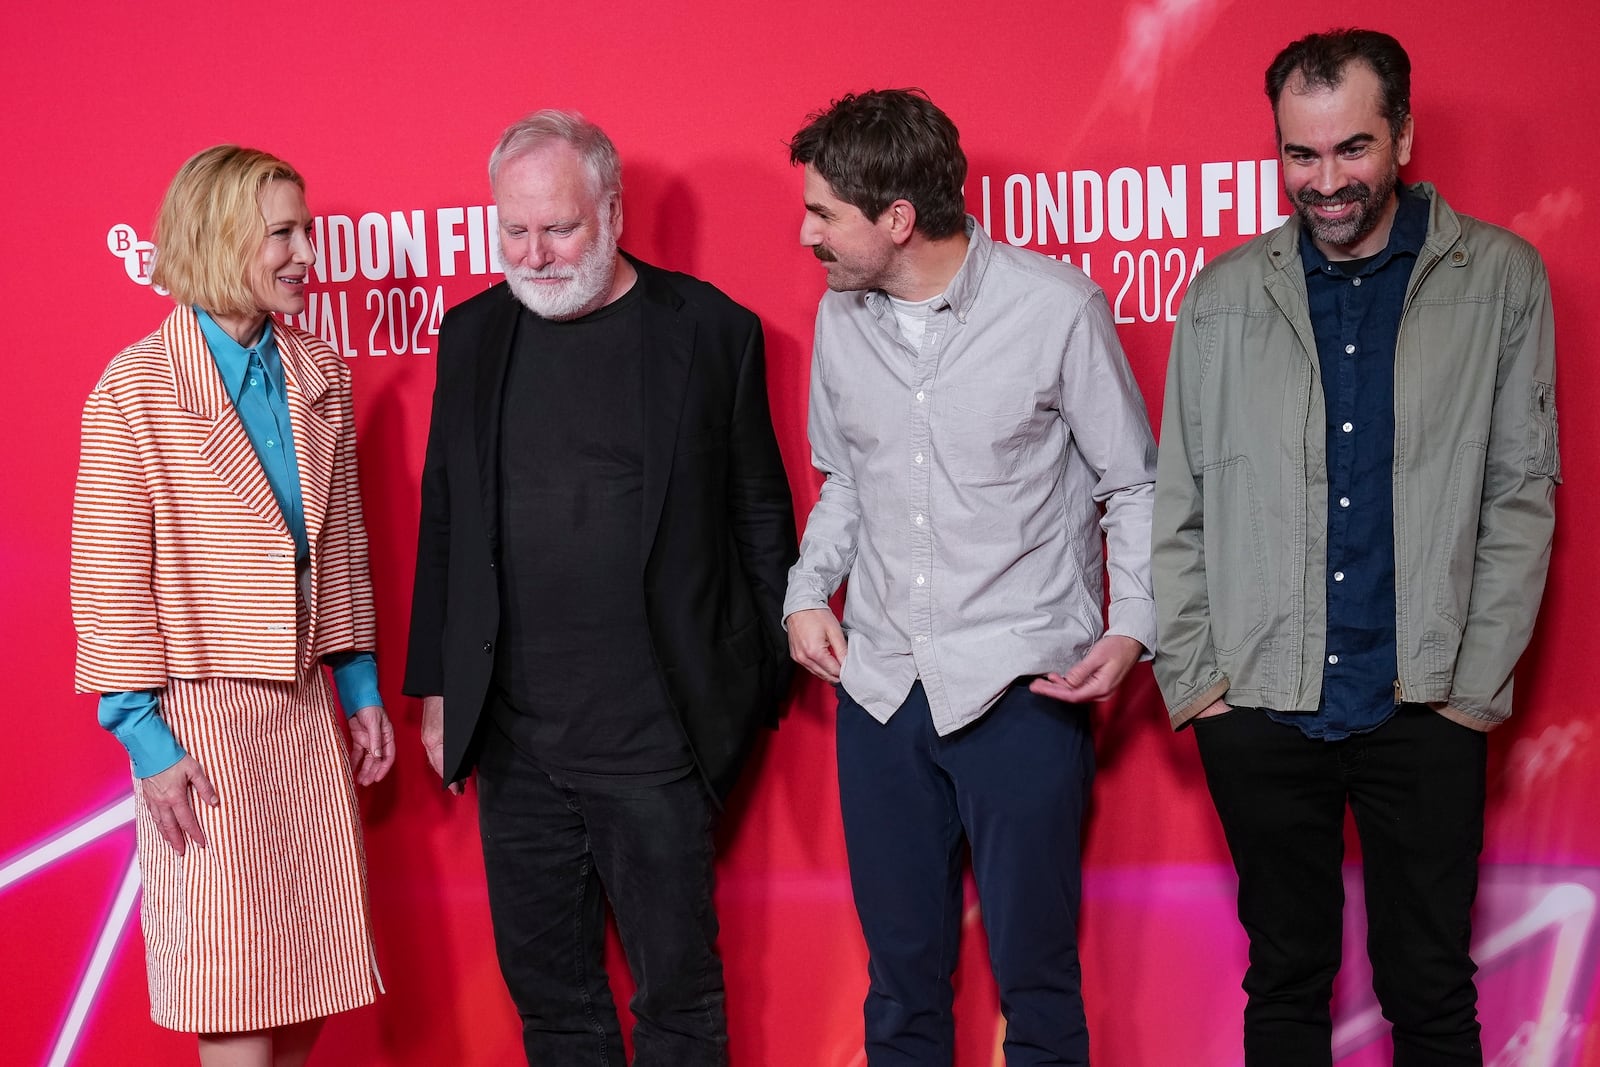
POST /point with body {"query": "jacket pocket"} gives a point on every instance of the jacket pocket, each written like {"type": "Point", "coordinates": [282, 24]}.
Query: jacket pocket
{"type": "Point", "coordinates": [1236, 570]}
{"type": "Point", "coordinates": [1454, 535]}
{"type": "Point", "coordinates": [744, 644]}
{"type": "Point", "coordinates": [1544, 451]}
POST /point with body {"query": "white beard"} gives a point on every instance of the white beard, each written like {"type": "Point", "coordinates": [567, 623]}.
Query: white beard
{"type": "Point", "coordinates": [585, 281]}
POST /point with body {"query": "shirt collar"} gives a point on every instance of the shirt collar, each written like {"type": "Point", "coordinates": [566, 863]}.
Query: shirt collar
{"type": "Point", "coordinates": [233, 359]}
{"type": "Point", "coordinates": [1406, 236]}
{"type": "Point", "coordinates": [963, 288]}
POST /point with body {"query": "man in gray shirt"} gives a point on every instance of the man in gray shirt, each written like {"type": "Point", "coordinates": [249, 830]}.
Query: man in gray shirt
{"type": "Point", "coordinates": [978, 428]}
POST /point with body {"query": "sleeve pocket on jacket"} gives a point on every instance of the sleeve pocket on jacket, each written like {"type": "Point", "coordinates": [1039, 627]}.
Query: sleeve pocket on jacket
{"type": "Point", "coordinates": [1544, 451]}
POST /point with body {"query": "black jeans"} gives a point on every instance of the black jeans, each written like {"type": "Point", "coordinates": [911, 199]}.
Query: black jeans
{"type": "Point", "coordinates": [1416, 788]}
{"type": "Point", "coordinates": [1013, 785]}
{"type": "Point", "coordinates": [553, 857]}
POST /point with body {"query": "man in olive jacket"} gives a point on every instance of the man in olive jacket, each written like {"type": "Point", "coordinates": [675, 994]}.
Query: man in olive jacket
{"type": "Point", "coordinates": [1352, 530]}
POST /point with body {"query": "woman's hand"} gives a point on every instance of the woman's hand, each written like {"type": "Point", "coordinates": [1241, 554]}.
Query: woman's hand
{"type": "Point", "coordinates": [166, 796]}
{"type": "Point", "coordinates": [371, 744]}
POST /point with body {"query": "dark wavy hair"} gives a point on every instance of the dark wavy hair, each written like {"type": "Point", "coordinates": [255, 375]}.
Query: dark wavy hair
{"type": "Point", "coordinates": [883, 145]}
{"type": "Point", "coordinates": [1321, 60]}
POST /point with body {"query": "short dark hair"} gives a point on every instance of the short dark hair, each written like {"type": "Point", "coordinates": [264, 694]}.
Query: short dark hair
{"type": "Point", "coordinates": [1321, 60]}
{"type": "Point", "coordinates": [884, 145]}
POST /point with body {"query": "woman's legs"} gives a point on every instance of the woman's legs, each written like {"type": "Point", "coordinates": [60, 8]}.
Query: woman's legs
{"type": "Point", "coordinates": [281, 1046]}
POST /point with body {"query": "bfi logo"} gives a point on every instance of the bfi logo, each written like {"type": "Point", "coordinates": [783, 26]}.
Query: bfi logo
{"type": "Point", "coordinates": [137, 256]}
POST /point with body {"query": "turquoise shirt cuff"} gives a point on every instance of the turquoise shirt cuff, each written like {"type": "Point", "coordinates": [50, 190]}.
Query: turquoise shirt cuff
{"type": "Point", "coordinates": [135, 720]}
{"type": "Point", "coordinates": [355, 676]}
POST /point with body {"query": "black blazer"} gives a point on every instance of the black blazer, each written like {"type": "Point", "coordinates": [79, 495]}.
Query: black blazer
{"type": "Point", "coordinates": [718, 524]}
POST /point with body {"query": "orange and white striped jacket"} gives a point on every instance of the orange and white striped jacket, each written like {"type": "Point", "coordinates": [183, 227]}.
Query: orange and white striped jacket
{"type": "Point", "coordinates": [182, 564]}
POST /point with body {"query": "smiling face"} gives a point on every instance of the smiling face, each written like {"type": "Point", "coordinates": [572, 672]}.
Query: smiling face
{"type": "Point", "coordinates": [280, 267]}
{"type": "Point", "coordinates": [1341, 163]}
{"type": "Point", "coordinates": [558, 232]}
{"type": "Point", "coordinates": [857, 252]}
{"type": "Point", "coordinates": [276, 274]}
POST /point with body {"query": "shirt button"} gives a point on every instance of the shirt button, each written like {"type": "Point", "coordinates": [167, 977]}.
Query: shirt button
{"type": "Point", "coordinates": [1333, 659]}
{"type": "Point", "coordinates": [1347, 427]}
{"type": "Point", "coordinates": [917, 458]}
{"type": "Point", "coordinates": [921, 396]}
{"type": "Point", "coordinates": [1338, 576]}
{"type": "Point", "coordinates": [271, 443]}
{"type": "Point", "coordinates": [488, 646]}
{"type": "Point", "coordinates": [1355, 281]}
{"type": "Point", "coordinates": [921, 580]}
{"type": "Point", "coordinates": [1349, 350]}
{"type": "Point", "coordinates": [1344, 502]}
{"type": "Point", "coordinates": [922, 639]}
{"type": "Point", "coordinates": [917, 520]}
{"type": "Point", "coordinates": [254, 382]}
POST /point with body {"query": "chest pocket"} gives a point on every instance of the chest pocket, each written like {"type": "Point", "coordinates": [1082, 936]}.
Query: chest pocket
{"type": "Point", "coordinates": [980, 438]}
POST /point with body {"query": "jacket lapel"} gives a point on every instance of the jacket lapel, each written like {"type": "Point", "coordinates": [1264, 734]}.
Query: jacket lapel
{"type": "Point", "coordinates": [1287, 287]}
{"type": "Point", "coordinates": [494, 359]}
{"type": "Point", "coordinates": [668, 347]}
{"type": "Point", "coordinates": [199, 389]}
{"type": "Point", "coordinates": [316, 439]}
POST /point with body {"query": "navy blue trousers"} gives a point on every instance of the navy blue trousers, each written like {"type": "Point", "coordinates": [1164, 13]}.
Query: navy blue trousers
{"type": "Point", "coordinates": [1012, 786]}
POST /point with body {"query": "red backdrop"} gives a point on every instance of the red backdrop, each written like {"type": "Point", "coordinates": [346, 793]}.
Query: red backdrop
{"type": "Point", "coordinates": [1110, 133]}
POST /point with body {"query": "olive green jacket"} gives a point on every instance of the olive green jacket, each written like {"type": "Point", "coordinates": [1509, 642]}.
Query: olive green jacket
{"type": "Point", "coordinates": [1240, 536]}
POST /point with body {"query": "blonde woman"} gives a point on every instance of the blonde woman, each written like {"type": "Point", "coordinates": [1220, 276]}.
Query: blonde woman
{"type": "Point", "coordinates": [219, 560]}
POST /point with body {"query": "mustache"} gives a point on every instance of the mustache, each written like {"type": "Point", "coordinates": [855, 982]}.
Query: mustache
{"type": "Point", "coordinates": [824, 255]}
{"type": "Point", "coordinates": [1353, 193]}
{"type": "Point", "coordinates": [548, 274]}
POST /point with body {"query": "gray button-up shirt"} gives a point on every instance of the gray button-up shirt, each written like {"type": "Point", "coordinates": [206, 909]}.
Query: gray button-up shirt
{"type": "Point", "coordinates": [964, 484]}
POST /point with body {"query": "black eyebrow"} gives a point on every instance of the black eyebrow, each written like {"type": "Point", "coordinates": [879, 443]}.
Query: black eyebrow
{"type": "Point", "coordinates": [1354, 141]}
{"type": "Point", "coordinates": [818, 209]}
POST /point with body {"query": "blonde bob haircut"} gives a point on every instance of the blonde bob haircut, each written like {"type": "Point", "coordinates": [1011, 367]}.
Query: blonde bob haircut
{"type": "Point", "coordinates": [210, 227]}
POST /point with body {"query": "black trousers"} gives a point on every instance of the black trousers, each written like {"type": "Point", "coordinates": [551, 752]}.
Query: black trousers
{"type": "Point", "coordinates": [553, 857]}
{"type": "Point", "coordinates": [1416, 788]}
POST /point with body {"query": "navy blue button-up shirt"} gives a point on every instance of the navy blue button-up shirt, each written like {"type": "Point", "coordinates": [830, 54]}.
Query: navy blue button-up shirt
{"type": "Point", "coordinates": [1355, 315]}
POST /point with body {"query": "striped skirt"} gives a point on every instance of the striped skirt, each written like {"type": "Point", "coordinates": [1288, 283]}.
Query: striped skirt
{"type": "Point", "coordinates": [269, 924]}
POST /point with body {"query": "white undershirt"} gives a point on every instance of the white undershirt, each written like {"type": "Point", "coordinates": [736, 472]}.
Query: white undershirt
{"type": "Point", "coordinates": [913, 317]}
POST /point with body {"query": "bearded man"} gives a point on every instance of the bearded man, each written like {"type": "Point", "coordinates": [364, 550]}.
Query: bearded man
{"type": "Point", "coordinates": [605, 530]}
{"type": "Point", "coordinates": [1352, 529]}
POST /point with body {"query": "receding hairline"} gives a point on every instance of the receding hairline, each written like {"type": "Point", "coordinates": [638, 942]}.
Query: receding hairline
{"type": "Point", "coordinates": [1301, 84]}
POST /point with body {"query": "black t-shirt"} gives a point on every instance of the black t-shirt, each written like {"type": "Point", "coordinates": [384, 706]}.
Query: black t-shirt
{"type": "Point", "coordinates": [577, 683]}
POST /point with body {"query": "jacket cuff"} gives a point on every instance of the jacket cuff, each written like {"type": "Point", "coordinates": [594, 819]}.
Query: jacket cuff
{"type": "Point", "coordinates": [1202, 699]}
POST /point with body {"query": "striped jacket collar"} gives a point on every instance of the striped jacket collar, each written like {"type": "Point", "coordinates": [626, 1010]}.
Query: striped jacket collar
{"type": "Point", "coordinates": [198, 387]}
